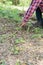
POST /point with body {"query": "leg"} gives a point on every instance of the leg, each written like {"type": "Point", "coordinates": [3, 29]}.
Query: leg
{"type": "Point", "coordinates": [39, 16]}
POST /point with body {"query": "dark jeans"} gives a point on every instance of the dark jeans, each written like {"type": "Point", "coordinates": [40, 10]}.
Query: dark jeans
{"type": "Point", "coordinates": [39, 16]}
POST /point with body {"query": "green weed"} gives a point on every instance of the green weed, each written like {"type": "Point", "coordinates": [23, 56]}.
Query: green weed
{"type": "Point", "coordinates": [2, 62]}
{"type": "Point", "coordinates": [15, 50]}
{"type": "Point", "coordinates": [19, 40]}
{"type": "Point", "coordinates": [18, 62]}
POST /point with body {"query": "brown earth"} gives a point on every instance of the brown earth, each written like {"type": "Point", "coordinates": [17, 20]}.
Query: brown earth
{"type": "Point", "coordinates": [31, 50]}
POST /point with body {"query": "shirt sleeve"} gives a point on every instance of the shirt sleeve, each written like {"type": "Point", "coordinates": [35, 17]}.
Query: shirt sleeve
{"type": "Point", "coordinates": [31, 9]}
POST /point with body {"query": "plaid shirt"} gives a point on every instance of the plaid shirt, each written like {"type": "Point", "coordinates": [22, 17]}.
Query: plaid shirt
{"type": "Point", "coordinates": [32, 8]}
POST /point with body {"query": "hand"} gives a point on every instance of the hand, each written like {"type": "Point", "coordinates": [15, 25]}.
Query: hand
{"type": "Point", "coordinates": [23, 24]}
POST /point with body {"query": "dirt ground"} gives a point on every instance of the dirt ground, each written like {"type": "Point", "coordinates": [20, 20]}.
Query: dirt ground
{"type": "Point", "coordinates": [31, 50]}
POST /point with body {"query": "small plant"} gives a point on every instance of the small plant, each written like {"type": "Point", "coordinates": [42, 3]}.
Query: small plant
{"type": "Point", "coordinates": [18, 62]}
{"type": "Point", "coordinates": [19, 40]}
{"type": "Point", "coordinates": [17, 28]}
{"type": "Point", "coordinates": [2, 62]}
{"type": "Point", "coordinates": [37, 33]}
{"type": "Point", "coordinates": [2, 38]}
{"type": "Point", "coordinates": [36, 36]}
{"type": "Point", "coordinates": [15, 50]}
{"type": "Point", "coordinates": [37, 30]}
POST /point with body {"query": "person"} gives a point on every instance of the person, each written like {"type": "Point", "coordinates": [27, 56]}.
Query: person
{"type": "Point", "coordinates": [36, 5]}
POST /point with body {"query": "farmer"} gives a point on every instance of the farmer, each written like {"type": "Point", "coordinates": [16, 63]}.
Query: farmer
{"type": "Point", "coordinates": [36, 5]}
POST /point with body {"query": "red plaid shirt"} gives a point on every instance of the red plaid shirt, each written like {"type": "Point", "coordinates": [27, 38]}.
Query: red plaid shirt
{"type": "Point", "coordinates": [32, 8]}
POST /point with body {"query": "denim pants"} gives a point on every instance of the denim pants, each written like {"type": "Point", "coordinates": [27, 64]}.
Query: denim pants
{"type": "Point", "coordinates": [39, 16]}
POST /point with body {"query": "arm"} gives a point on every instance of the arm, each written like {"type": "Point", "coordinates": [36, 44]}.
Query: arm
{"type": "Point", "coordinates": [31, 10]}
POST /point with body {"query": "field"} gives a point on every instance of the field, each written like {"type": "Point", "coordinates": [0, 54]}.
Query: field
{"type": "Point", "coordinates": [19, 46]}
